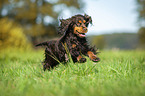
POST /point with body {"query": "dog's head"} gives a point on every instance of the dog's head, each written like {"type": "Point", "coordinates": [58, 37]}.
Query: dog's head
{"type": "Point", "coordinates": [78, 24]}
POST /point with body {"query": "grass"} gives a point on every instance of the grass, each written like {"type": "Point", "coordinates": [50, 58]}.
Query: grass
{"type": "Point", "coordinates": [119, 73]}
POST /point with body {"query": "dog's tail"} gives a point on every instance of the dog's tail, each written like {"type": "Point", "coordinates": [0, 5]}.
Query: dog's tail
{"type": "Point", "coordinates": [42, 44]}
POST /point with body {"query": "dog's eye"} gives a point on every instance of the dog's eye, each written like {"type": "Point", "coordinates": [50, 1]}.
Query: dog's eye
{"type": "Point", "coordinates": [80, 21]}
{"type": "Point", "coordinates": [84, 21]}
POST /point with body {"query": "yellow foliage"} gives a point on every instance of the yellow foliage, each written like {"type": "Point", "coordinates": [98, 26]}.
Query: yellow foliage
{"type": "Point", "coordinates": [12, 36]}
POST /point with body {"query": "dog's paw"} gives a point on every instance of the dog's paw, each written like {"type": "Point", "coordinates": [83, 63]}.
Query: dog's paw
{"type": "Point", "coordinates": [95, 59]}
{"type": "Point", "coordinates": [82, 60]}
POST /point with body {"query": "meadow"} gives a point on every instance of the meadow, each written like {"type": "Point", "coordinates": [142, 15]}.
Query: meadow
{"type": "Point", "coordinates": [119, 73]}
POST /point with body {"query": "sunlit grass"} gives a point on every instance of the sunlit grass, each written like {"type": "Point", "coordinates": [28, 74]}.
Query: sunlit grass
{"type": "Point", "coordinates": [119, 73]}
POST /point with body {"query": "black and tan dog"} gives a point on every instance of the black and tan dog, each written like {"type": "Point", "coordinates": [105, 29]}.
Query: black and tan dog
{"type": "Point", "coordinates": [73, 35]}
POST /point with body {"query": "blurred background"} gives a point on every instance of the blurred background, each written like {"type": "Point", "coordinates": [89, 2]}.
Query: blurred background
{"type": "Point", "coordinates": [117, 24]}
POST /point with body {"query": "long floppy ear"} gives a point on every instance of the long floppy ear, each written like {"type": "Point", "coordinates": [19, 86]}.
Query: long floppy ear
{"type": "Point", "coordinates": [88, 19]}
{"type": "Point", "coordinates": [64, 26]}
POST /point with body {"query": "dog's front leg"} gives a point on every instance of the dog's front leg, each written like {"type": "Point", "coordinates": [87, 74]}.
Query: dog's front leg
{"type": "Point", "coordinates": [76, 55]}
{"type": "Point", "coordinates": [92, 56]}
{"type": "Point", "coordinates": [81, 59]}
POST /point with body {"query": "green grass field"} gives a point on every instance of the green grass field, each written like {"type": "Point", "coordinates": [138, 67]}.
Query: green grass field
{"type": "Point", "coordinates": [119, 73]}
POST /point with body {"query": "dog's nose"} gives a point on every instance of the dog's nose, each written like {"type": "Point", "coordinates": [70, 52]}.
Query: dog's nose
{"type": "Point", "coordinates": [85, 29]}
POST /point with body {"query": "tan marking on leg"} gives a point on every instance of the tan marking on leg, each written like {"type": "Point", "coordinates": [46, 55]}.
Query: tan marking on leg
{"type": "Point", "coordinates": [91, 55]}
{"type": "Point", "coordinates": [74, 45]}
{"type": "Point", "coordinates": [79, 57]}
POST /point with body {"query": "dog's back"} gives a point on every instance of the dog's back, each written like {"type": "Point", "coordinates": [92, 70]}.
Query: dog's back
{"type": "Point", "coordinates": [48, 43]}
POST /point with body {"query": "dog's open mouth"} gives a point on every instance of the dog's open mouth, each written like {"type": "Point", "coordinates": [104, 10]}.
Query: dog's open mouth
{"type": "Point", "coordinates": [82, 35]}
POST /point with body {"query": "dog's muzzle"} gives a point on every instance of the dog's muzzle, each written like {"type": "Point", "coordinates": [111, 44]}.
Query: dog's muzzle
{"type": "Point", "coordinates": [80, 31]}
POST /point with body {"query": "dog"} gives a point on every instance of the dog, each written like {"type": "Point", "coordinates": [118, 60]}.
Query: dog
{"type": "Point", "coordinates": [73, 31]}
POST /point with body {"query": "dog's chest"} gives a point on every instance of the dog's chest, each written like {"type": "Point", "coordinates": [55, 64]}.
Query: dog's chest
{"type": "Point", "coordinates": [78, 44]}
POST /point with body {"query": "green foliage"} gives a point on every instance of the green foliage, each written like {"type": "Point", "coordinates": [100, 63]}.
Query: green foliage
{"type": "Point", "coordinates": [141, 11]}
{"type": "Point", "coordinates": [117, 41]}
{"type": "Point", "coordinates": [98, 41]}
{"type": "Point", "coordinates": [12, 36]}
{"type": "Point", "coordinates": [121, 41]}
{"type": "Point", "coordinates": [119, 73]}
{"type": "Point", "coordinates": [141, 20]}
{"type": "Point", "coordinates": [141, 34]}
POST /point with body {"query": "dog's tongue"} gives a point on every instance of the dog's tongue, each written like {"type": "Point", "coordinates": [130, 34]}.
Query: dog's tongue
{"type": "Point", "coordinates": [82, 35]}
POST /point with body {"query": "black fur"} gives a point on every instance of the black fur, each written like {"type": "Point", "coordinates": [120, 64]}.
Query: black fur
{"type": "Point", "coordinates": [55, 51]}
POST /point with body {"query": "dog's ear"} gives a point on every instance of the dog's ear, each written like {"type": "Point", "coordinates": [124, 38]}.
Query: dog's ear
{"type": "Point", "coordinates": [88, 19]}
{"type": "Point", "coordinates": [64, 24]}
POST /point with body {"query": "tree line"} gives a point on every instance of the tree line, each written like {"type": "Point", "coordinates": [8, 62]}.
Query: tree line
{"type": "Point", "coordinates": [25, 22]}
